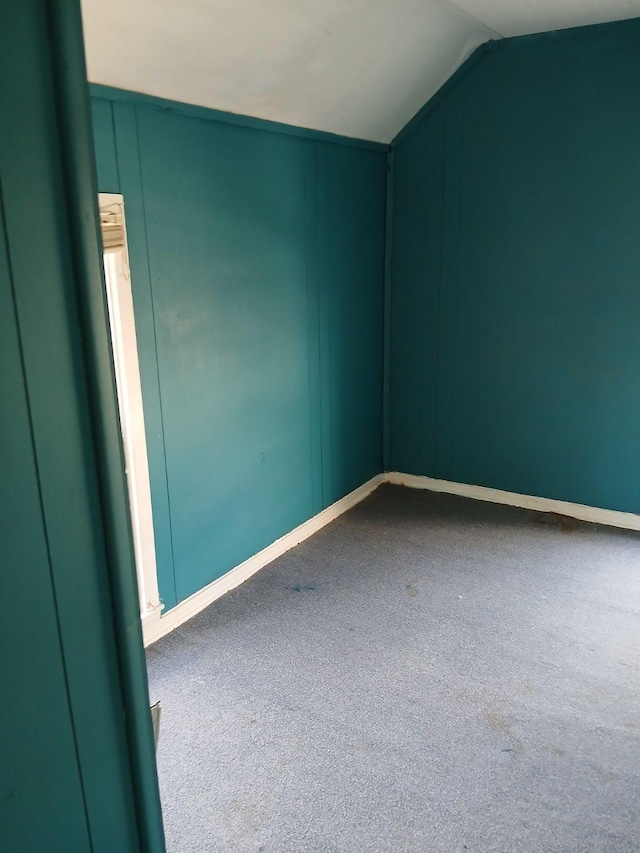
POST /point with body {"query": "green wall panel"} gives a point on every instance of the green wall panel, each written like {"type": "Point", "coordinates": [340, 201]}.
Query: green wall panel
{"type": "Point", "coordinates": [417, 235]}
{"type": "Point", "coordinates": [350, 257]}
{"type": "Point", "coordinates": [531, 323]}
{"type": "Point", "coordinates": [105, 144]}
{"type": "Point", "coordinates": [66, 769]}
{"type": "Point", "coordinates": [37, 741]}
{"type": "Point", "coordinates": [227, 248]}
{"type": "Point", "coordinates": [257, 266]}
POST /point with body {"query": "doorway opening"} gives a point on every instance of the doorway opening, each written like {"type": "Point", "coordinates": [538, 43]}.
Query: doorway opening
{"type": "Point", "coordinates": [129, 390]}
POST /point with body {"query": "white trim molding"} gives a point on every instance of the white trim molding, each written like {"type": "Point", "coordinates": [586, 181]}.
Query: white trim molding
{"type": "Point", "coordinates": [155, 628]}
{"type": "Point", "coordinates": [122, 327]}
{"type": "Point", "coordinates": [610, 517]}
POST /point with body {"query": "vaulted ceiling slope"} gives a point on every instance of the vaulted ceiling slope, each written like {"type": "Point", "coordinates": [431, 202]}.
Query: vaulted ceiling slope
{"type": "Point", "coordinates": [361, 68]}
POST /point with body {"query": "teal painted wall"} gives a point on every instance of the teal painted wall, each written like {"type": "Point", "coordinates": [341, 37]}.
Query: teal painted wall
{"type": "Point", "coordinates": [516, 271]}
{"type": "Point", "coordinates": [257, 271]}
{"type": "Point", "coordinates": [33, 811]}
{"type": "Point", "coordinates": [67, 778]}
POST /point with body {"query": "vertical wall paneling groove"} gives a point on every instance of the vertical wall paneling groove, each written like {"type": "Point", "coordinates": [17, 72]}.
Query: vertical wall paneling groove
{"type": "Point", "coordinates": [386, 339]}
{"type": "Point", "coordinates": [352, 221]}
{"type": "Point", "coordinates": [105, 142]}
{"type": "Point", "coordinates": [171, 565]}
{"type": "Point", "coordinates": [446, 323]}
{"type": "Point", "coordinates": [128, 158]}
{"type": "Point", "coordinates": [324, 318]}
{"type": "Point", "coordinates": [439, 304]}
{"type": "Point", "coordinates": [313, 298]}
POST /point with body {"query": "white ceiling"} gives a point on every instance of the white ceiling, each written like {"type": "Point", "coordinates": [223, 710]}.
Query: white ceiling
{"type": "Point", "coordinates": [361, 68]}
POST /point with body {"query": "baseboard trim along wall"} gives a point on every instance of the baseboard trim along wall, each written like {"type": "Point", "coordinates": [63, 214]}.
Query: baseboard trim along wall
{"type": "Point", "coordinates": [154, 626]}
{"type": "Point", "coordinates": [154, 629]}
{"type": "Point", "coordinates": [610, 517]}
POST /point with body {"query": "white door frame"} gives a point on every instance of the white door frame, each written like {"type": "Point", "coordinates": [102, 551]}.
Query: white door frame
{"type": "Point", "coordinates": [127, 371]}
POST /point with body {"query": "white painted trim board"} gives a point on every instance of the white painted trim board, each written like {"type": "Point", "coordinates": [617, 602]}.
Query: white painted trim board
{"type": "Point", "coordinates": [154, 627]}
{"type": "Point", "coordinates": [610, 517]}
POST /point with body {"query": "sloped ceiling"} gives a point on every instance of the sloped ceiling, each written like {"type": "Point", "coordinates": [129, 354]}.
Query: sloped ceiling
{"type": "Point", "coordinates": [519, 17]}
{"type": "Point", "coordinates": [361, 68]}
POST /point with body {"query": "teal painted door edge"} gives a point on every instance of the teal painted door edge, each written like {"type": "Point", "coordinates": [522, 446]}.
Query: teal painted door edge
{"type": "Point", "coordinates": [110, 93]}
{"type": "Point", "coordinates": [74, 122]}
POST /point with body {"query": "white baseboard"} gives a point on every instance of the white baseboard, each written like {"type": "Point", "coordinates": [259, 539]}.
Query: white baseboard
{"type": "Point", "coordinates": [610, 517]}
{"type": "Point", "coordinates": [154, 629]}
{"type": "Point", "coordinates": [154, 626]}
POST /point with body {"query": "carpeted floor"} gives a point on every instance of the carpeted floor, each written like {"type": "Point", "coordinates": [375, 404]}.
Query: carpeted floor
{"type": "Point", "coordinates": [428, 674]}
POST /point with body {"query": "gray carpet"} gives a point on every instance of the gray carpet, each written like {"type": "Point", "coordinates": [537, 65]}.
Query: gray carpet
{"type": "Point", "coordinates": [428, 673]}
